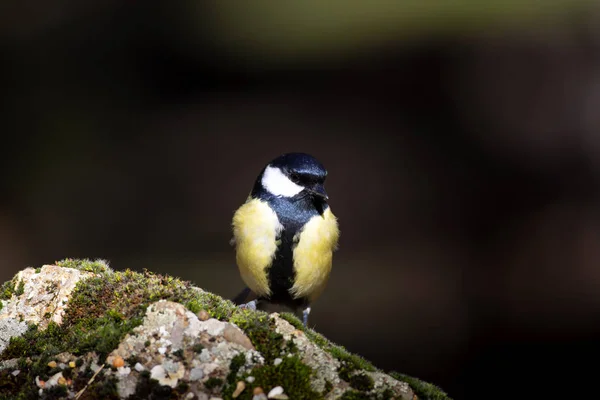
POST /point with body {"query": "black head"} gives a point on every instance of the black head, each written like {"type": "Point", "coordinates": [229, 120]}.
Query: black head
{"type": "Point", "coordinates": [293, 175]}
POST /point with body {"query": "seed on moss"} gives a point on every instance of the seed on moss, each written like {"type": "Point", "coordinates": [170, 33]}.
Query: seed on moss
{"type": "Point", "coordinates": [52, 364]}
{"type": "Point", "coordinates": [239, 388]}
{"type": "Point", "coordinates": [203, 315]}
{"type": "Point", "coordinates": [258, 390]}
{"type": "Point", "coordinates": [118, 362]}
{"type": "Point", "coordinates": [276, 391]}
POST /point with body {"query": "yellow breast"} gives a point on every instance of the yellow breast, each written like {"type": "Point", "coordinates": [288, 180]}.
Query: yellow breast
{"type": "Point", "coordinates": [255, 230]}
{"type": "Point", "coordinates": [313, 255]}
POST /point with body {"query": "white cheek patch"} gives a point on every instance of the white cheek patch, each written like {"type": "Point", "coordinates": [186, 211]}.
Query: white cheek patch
{"type": "Point", "coordinates": [278, 184]}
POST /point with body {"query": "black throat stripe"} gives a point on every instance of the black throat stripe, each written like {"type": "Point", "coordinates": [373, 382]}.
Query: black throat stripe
{"type": "Point", "coordinates": [293, 213]}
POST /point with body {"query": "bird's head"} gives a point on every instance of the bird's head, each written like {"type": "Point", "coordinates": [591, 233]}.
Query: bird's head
{"type": "Point", "coordinates": [295, 175]}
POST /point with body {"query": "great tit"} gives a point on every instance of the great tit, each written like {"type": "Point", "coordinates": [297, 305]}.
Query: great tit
{"type": "Point", "coordinates": [285, 235]}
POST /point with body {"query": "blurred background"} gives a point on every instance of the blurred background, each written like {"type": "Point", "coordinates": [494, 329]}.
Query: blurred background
{"type": "Point", "coordinates": [461, 140]}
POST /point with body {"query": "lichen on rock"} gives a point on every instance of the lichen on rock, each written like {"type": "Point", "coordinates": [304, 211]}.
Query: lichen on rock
{"type": "Point", "coordinates": [167, 343]}
{"type": "Point", "coordinates": [78, 329]}
{"type": "Point", "coordinates": [42, 296]}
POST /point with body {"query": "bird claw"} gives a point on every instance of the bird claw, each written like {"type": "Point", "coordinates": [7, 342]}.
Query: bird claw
{"type": "Point", "coordinates": [305, 316]}
{"type": "Point", "coordinates": [251, 305]}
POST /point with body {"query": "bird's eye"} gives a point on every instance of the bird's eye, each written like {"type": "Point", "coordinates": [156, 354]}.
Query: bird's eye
{"type": "Point", "coordinates": [294, 177]}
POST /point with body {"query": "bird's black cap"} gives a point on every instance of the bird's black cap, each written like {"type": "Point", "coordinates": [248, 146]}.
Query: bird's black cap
{"type": "Point", "coordinates": [300, 163]}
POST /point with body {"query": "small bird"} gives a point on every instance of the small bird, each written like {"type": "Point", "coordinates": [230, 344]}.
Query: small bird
{"type": "Point", "coordinates": [285, 235]}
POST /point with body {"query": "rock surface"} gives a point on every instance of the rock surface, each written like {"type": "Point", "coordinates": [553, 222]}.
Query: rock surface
{"type": "Point", "coordinates": [40, 297]}
{"type": "Point", "coordinates": [80, 330]}
{"type": "Point", "coordinates": [175, 346]}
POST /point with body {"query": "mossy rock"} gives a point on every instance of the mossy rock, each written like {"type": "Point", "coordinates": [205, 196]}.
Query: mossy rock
{"type": "Point", "coordinates": [107, 306]}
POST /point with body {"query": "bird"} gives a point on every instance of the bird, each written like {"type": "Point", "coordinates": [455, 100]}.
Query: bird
{"type": "Point", "coordinates": [285, 235]}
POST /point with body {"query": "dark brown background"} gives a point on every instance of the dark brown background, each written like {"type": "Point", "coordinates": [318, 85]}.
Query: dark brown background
{"type": "Point", "coordinates": [463, 166]}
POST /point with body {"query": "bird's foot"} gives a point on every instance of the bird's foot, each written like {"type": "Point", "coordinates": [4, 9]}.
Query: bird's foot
{"type": "Point", "coordinates": [305, 316]}
{"type": "Point", "coordinates": [251, 305]}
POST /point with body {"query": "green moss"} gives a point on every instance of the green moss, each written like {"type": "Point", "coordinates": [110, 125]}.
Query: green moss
{"type": "Point", "coordinates": [23, 363]}
{"type": "Point", "coordinates": [107, 306]}
{"type": "Point", "coordinates": [101, 335]}
{"type": "Point", "coordinates": [55, 392]}
{"type": "Point", "coordinates": [194, 306]}
{"type": "Point", "coordinates": [67, 373]}
{"type": "Point", "coordinates": [182, 387]}
{"type": "Point", "coordinates": [293, 320]}
{"type": "Point", "coordinates": [55, 370]}
{"type": "Point", "coordinates": [216, 306]}
{"type": "Point", "coordinates": [355, 395]}
{"type": "Point", "coordinates": [315, 337]}
{"type": "Point", "coordinates": [17, 347]}
{"type": "Point", "coordinates": [328, 387]}
{"type": "Point", "coordinates": [38, 270]}
{"type": "Point", "coordinates": [352, 361]}
{"type": "Point", "coordinates": [237, 362]}
{"type": "Point", "coordinates": [213, 383]}
{"type": "Point", "coordinates": [95, 266]}
{"type": "Point", "coordinates": [361, 381]}
{"type": "Point", "coordinates": [292, 374]}
{"type": "Point", "coordinates": [178, 353]}
{"type": "Point", "coordinates": [387, 394]}
{"type": "Point", "coordinates": [423, 390]}
{"type": "Point", "coordinates": [101, 311]}
{"type": "Point", "coordinates": [104, 389]}
{"type": "Point", "coordinates": [10, 384]}
{"type": "Point", "coordinates": [1, 305]}
{"type": "Point", "coordinates": [148, 388]}
{"type": "Point", "coordinates": [261, 331]}
{"type": "Point", "coordinates": [7, 290]}
{"type": "Point", "coordinates": [20, 288]}
{"type": "Point", "coordinates": [104, 308]}
{"type": "Point", "coordinates": [132, 360]}
{"type": "Point", "coordinates": [198, 348]}
{"type": "Point", "coordinates": [351, 365]}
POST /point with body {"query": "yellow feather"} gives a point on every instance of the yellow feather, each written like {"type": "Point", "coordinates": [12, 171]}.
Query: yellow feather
{"type": "Point", "coordinates": [255, 230]}
{"type": "Point", "coordinates": [313, 255]}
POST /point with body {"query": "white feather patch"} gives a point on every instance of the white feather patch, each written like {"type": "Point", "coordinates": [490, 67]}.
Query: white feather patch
{"type": "Point", "coordinates": [278, 184]}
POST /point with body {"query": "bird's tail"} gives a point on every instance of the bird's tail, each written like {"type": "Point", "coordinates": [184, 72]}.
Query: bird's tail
{"type": "Point", "coordinates": [242, 297]}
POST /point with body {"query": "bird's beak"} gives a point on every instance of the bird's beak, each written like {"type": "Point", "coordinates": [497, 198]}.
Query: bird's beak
{"type": "Point", "coordinates": [318, 190]}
